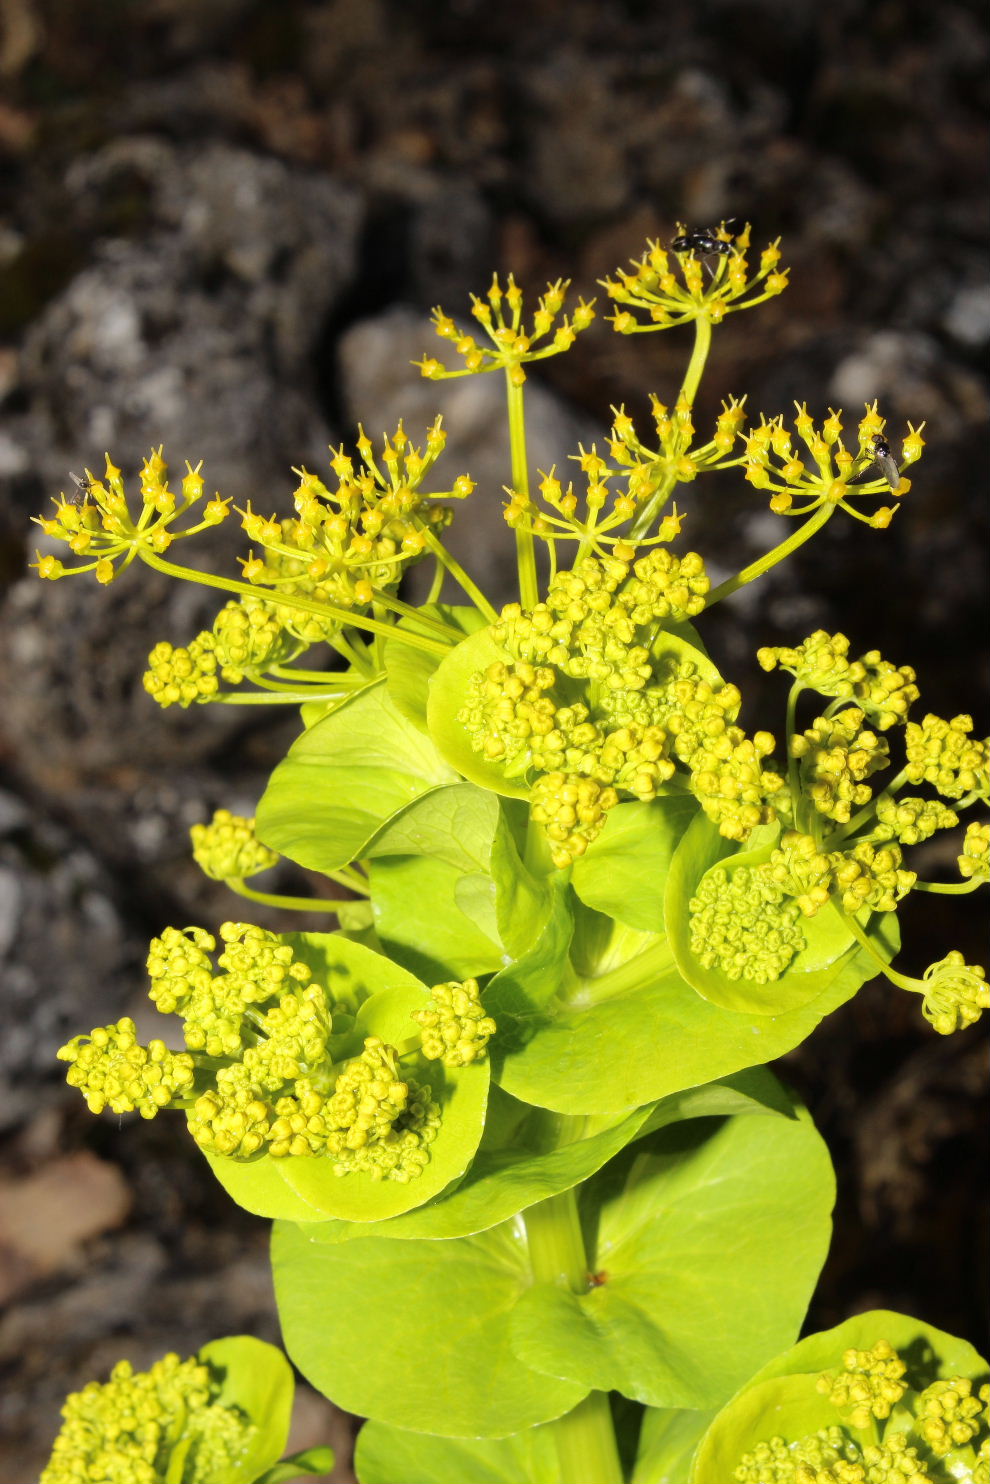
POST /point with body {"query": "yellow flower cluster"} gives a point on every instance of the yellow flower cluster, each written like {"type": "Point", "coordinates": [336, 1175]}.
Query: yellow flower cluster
{"type": "Point", "coordinates": [510, 343]}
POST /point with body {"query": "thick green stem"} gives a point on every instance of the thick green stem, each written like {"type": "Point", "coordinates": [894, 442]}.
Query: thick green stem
{"type": "Point", "coordinates": [699, 355]}
{"type": "Point", "coordinates": [771, 558]}
{"type": "Point", "coordinates": [305, 605]}
{"type": "Point", "coordinates": [529, 594]}
{"type": "Point", "coordinates": [585, 1437]}
{"type": "Point", "coordinates": [950, 888]}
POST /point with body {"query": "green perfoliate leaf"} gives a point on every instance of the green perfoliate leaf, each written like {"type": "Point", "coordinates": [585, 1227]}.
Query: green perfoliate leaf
{"type": "Point", "coordinates": [449, 690]}
{"type": "Point", "coordinates": [460, 1092]}
{"type": "Point", "coordinates": [624, 872]}
{"type": "Point", "coordinates": [704, 1229]}
{"type": "Point", "coordinates": [807, 976]}
{"type": "Point", "coordinates": [522, 900]}
{"type": "Point", "coordinates": [415, 1334]}
{"type": "Point", "coordinates": [408, 671]}
{"type": "Point", "coordinates": [526, 1154]}
{"type": "Point", "coordinates": [343, 778]}
{"type": "Point", "coordinates": [660, 1035]}
{"type": "Point", "coordinates": [667, 1442]}
{"type": "Point", "coordinates": [455, 825]}
{"type": "Point", "coordinates": [420, 919]}
{"type": "Point", "coordinates": [305, 1188]}
{"type": "Point", "coordinates": [390, 1455]}
{"type": "Point", "coordinates": [257, 1379]}
{"type": "Point", "coordinates": [781, 1399]}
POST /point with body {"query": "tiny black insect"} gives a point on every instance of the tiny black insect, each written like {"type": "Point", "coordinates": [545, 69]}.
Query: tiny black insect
{"type": "Point", "coordinates": [83, 487]}
{"type": "Point", "coordinates": [703, 241]}
{"type": "Point", "coordinates": [886, 461]}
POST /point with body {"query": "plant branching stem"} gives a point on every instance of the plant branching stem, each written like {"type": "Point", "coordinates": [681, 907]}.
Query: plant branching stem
{"type": "Point", "coordinates": [305, 605]}
{"type": "Point", "coordinates": [585, 1437]}
{"type": "Point", "coordinates": [771, 558]}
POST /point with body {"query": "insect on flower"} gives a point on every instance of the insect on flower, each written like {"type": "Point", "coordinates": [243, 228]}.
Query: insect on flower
{"type": "Point", "coordinates": [883, 457]}
{"type": "Point", "coordinates": [702, 242]}
{"type": "Point", "coordinates": [83, 487]}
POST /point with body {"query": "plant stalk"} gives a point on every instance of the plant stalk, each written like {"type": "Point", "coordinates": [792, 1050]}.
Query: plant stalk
{"type": "Point", "coordinates": [585, 1437]}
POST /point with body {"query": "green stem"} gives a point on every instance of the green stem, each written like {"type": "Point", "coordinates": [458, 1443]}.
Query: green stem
{"type": "Point", "coordinates": [529, 593]}
{"type": "Point", "coordinates": [687, 394]}
{"type": "Point", "coordinates": [699, 355]}
{"type": "Point", "coordinates": [277, 698]}
{"type": "Point", "coordinates": [331, 678]}
{"type": "Point", "coordinates": [793, 763]}
{"type": "Point", "coordinates": [950, 888]}
{"type": "Point", "coordinates": [771, 558]}
{"type": "Point", "coordinates": [585, 1437]}
{"type": "Point", "coordinates": [901, 980]}
{"type": "Point", "coordinates": [406, 610]}
{"type": "Point", "coordinates": [453, 566]}
{"type": "Point", "coordinates": [305, 605]}
{"type": "Point", "coordinates": [272, 899]}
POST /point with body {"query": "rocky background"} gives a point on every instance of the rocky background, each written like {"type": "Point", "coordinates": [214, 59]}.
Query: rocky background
{"type": "Point", "coordinates": [222, 226]}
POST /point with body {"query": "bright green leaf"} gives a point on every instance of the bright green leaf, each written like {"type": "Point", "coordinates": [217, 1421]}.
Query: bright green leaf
{"type": "Point", "coordinates": [667, 1441]}
{"type": "Point", "coordinates": [704, 1229]}
{"type": "Point", "coordinates": [408, 670]}
{"type": "Point", "coordinates": [455, 824]}
{"type": "Point", "coordinates": [420, 921]}
{"type": "Point", "coordinates": [526, 1154]}
{"type": "Point", "coordinates": [415, 1334]}
{"type": "Point", "coordinates": [828, 939]}
{"type": "Point", "coordinates": [660, 1034]}
{"type": "Point", "coordinates": [256, 1378]}
{"type": "Point", "coordinates": [624, 872]}
{"type": "Point", "coordinates": [390, 1455]}
{"type": "Point", "coordinates": [343, 778]}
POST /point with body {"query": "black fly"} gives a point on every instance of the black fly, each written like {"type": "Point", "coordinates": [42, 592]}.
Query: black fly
{"type": "Point", "coordinates": [880, 455]}
{"type": "Point", "coordinates": [83, 488]}
{"type": "Point", "coordinates": [703, 242]}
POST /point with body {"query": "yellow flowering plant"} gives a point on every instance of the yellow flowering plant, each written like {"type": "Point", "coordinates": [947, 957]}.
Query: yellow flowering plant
{"type": "Point", "coordinates": [510, 1115]}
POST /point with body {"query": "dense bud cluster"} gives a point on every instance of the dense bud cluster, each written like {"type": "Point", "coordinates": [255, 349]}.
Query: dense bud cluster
{"type": "Point", "coordinates": [798, 868]}
{"type": "Point", "coordinates": [183, 675]}
{"type": "Point", "coordinates": [836, 755]}
{"type": "Point", "coordinates": [227, 849]}
{"type": "Point", "coordinates": [258, 1076]}
{"type": "Point", "coordinates": [949, 1415]}
{"type": "Point", "coordinates": [885, 692]}
{"type": "Point", "coordinates": [455, 1028]}
{"type": "Point", "coordinates": [869, 877]}
{"type": "Point", "coordinates": [974, 862]}
{"type": "Point", "coordinates": [870, 1384]}
{"type": "Point", "coordinates": [146, 1426]}
{"type": "Point", "coordinates": [742, 924]}
{"type": "Point", "coordinates": [249, 637]}
{"type": "Point", "coordinates": [910, 821]}
{"type": "Point", "coordinates": [956, 993]}
{"type": "Point", "coordinates": [112, 1070]}
{"type": "Point", "coordinates": [922, 1425]}
{"type": "Point", "coordinates": [625, 736]}
{"type": "Point", "coordinates": [943, 754]}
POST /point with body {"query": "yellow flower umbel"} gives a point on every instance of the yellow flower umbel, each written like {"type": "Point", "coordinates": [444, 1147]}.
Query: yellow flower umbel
{"type": "Point", "coordinates": [674, 288]}
{"type": "Point", "coordinates": [830, 474]}
{"type": "Point", "coordinates": [350, 545]}
{"type": "Point", "coordinates": [510, 343]}
{"type": "Point", "coordinates": [102, 531]}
